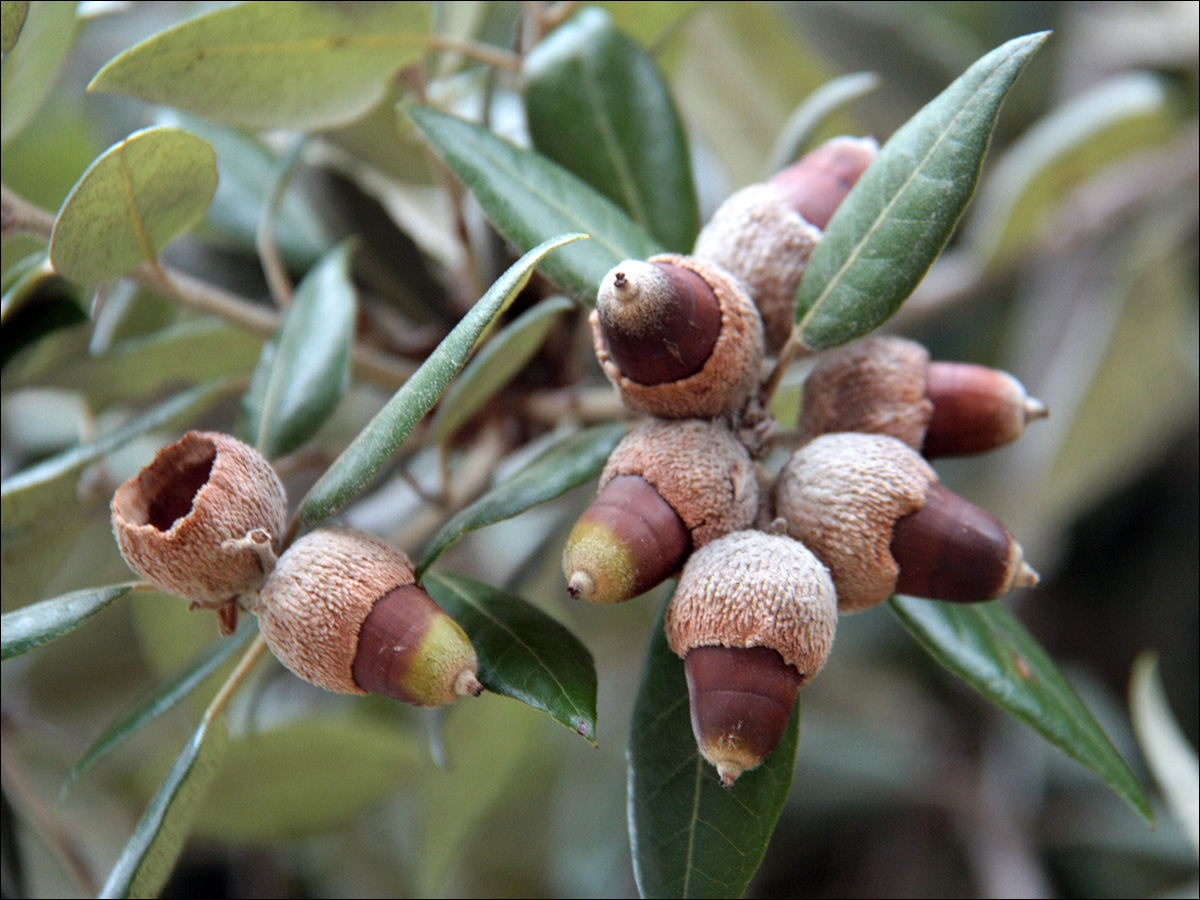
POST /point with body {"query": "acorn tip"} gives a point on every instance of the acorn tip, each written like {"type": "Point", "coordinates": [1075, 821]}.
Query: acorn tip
{"type": "Point", "coordinates": [1035, 409]}
{"type": "Point", "coordinates": [468, 683]}
{"type": "Point", "coordinates": [581, 584]}
{"type": "Point", "coordinates": [1025, 576]}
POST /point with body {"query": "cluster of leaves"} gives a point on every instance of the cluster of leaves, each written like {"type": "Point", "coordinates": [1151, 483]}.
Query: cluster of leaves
{"type": "Point", "coordinates": [605, 175]}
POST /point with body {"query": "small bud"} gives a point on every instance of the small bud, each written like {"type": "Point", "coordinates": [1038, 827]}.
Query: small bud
{"type": "Point", "coordinates": [753, 617]}
{"type": "Point", "coordinates": [872, 510]}
{"type": "Point", "coordinates": [668, 487]}
{"type": "Point", "coordinates": [888, 385]}
{"type": "Point", "coordinates": [343, 611]}
{"type": "Point", "coordinates": [202, 521]}
{"type": "Point", "coordinates": [764, 233]}
{"type": "Point", "coordinates": [678, 337]}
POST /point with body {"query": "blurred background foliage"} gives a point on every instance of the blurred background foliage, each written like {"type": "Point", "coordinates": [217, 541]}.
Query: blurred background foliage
{"type": "Point", "coordinates": [1075, 268]}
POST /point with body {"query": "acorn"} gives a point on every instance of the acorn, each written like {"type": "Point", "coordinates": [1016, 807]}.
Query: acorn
{"type": "Point", "coordinates": [342, 609]}
{"type": "Point", "coordinates": [669, 487]}
{"type": "Point", "coordinates": [873, 511]}
{"type": "Point", "coordinates": [765, 233]}
{"type": "Point", "coordinates": [203, 521]}
{"type": "Point", "coordinates": [678, 337]}
{"type": "Point", "coordinates": [753, 618]}
{"type": "Point", "coordinates": [888, 385]}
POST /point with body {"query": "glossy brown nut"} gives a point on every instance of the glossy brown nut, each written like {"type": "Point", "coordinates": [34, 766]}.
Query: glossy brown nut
{"type": "Point", "coordinates": [975, 409]}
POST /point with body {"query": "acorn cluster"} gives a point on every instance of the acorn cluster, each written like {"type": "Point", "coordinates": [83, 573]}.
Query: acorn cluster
{"type": "Point", "coordinates": [205, 521]}
{"type": "Point", "coordinates": [766, 561]}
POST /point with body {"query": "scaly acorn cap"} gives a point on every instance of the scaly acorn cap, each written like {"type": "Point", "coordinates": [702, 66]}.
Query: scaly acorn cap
{"type": "Point", "coordinates": [753, 617]}
{"type": "Point", "coordinates": [678, 337]}
{"type": "Point", "coordinates": [765, 233]}
{"type": "Point", "coordinates": [202, 521]}
{"type": "Point", "coordinates": [888, 385]}
{"type": "Point", "coordinates": [872, 510]}
{"type": "Point", "coordinates": [668, 487]}
{"type": "Point", "coordinates": [343, 611]}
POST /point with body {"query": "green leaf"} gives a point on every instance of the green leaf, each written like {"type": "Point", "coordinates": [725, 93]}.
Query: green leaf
{"type": "Point", "coordinates": [147, 860]}
{"type": "Point", "coordinates": [597, 105]}
{"type": "Point", "coordinates": [569, 463]}
{"type": "Point", "coordinates": [30, 69]}
{"type": "Point", "coordinates": [36, 303]}
{"type": "Point", "coordinates": [523, 653]}
{"type": "Point", "coordinates": [38, 492]}
{"type": "Point", "coordinates": [39, 623]}
{"type": "Point", "coordinates": [1171, 758]}
{"type": "Point", "coordinates": [496, 365]}
{"type": "Point", "coordinates": [12, 20]}
{"type": "Point", "coordinates": [307, 371]}
{"type": "Point", "coordinates": [985, 646]}
{"type": "Point", "coordinates": [370, 450]}
{"type": "Point", "coordinates": [900, 214]}
{"type": "Point", "coordinates": [808, 117]}
{"type": "Point", "coordinates": [529, 199]}
{"type": "Point", "coordinates": [295, 65]}
{"type": "Point", "coordinates": [138, 196]}
{"type": "Point", "coordinates": [165, 697]}
{"type": "Point", "coordinates": [690, 836]}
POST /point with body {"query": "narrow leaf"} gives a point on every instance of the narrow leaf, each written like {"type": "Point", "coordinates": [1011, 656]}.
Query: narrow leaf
{"type": "Point", "coordinates": [985, 646]}
{"type": "Point", "coordinates": [690, 836]}
{"type": "Point", "coordinates": [37, 492]}
{"type": "Point", "coordinates": [133, 200]}
{"type": "Point", "coordinates": [370, 450]}
{"type": "Point", "coordinates": [496, 364]}
{"type": "Point", "coordinates": [39, 623]}
{"type": "Point", "coordinates": [46, 32]}
{"type": "Point", "coordinates": [147, 860]}
{"type": "Point", "coordinates": [523, 653]}
{"type": "Point", "coordinates": [165, 697]}
{"type": "Point", "coordinates": [597, 105]}
{"type": "Point", "coordinates": [529, 199]}
{"type": "Point", "coordinates": [308, 369]}
{"type": "Point", "coordinates": [295, 65]}
{"type": "Point", "coordinates": [804, 121]}
{"type": "Point", "coordinates": [571, 462]}
{"type": "Point", "coordinates": [1171, 758]}
{"type": "Point", "coordinates": [900, 214]}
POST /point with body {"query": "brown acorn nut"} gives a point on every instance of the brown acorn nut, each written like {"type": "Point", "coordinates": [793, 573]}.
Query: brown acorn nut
{"type": "Point", "coordinates": [668, 487]}
{"type": "Point", "coordinates": [678, 337]}
{"type": "Point", "coordinates": [888, 385]}
{"type": "Point", "coordinates": [872, 510]}
{"type": "Point", "coordinates": [765, 233]}
{"type": "Point", "coordinates": [342, 610]}
{"type": "Point", "coordinates": [753, 617]}
{"type": "Point", "coordinates": [202, 521]}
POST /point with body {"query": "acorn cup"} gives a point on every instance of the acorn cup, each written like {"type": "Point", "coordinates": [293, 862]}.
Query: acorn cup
{"type": "Point", "coordinates": [753, 618]}
{"type": "Point", "coordinates": [203, 521]}
{"type": "Point", "coordinates": [342, 610]}
{"type": "Point", "coordinates": [678, 337]}
{"type": "Point", "coordinates": [667, 488]}
{"type": "Point", "coordinates": [888, 385]}
{"type": "Point", "coordinates": [765, 233]}
{"type": "Point", "coordinates": [873, 511]}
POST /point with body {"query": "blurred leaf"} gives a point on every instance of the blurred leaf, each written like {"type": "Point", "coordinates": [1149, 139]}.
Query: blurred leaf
{"type": "Point", "coordinates": [529, 199]}
{"type": "Point", "coordinates": [36, 303]}
{"type": "Point", "coordinates": [808, 117]}
{"type": "Point", "coordinates": [50, 486]}
{"type": "Point", "coordinates": [308, 368]}
{"type": "Point", "coordinates": [307, 776]}
{"type": "Point", "coordinates": [569, 463]}
{"type": "Point", "coordinates": [371, 449]}
{"type": "Point", "coordinates": [1171, 759]}
{"type": "Point", "coordinates": [12, 20]}
{"type": "Point", "coordinates": [42, 622]}
{"type": "Point", "coordinates": [648, 23]}
{"type": "Point", "coordinates": [597, 105]}
{"type": "Point", "coordinates": [138, 196]}
{"type": "Point", "coordinates": [1073, 143]}
{"type": "Point", "coordinates": [523, 653]}
{"type": "Point", "coordinates": [501, 359]}
{"type": "Point", "coordinates": [31, 67]}
{"type": "Point", "coordinates": [690, 836]}
{"type": "Point", "coordinates": [147, 860]}
{"type": "Point", "coordinates": [165, 697]}
{"type": "Point", "coordinates": [985, 646]}
{"type": "Point", "coordinates": [280, 64]}
{"type": "Point", "coordinates": [900, 214]}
